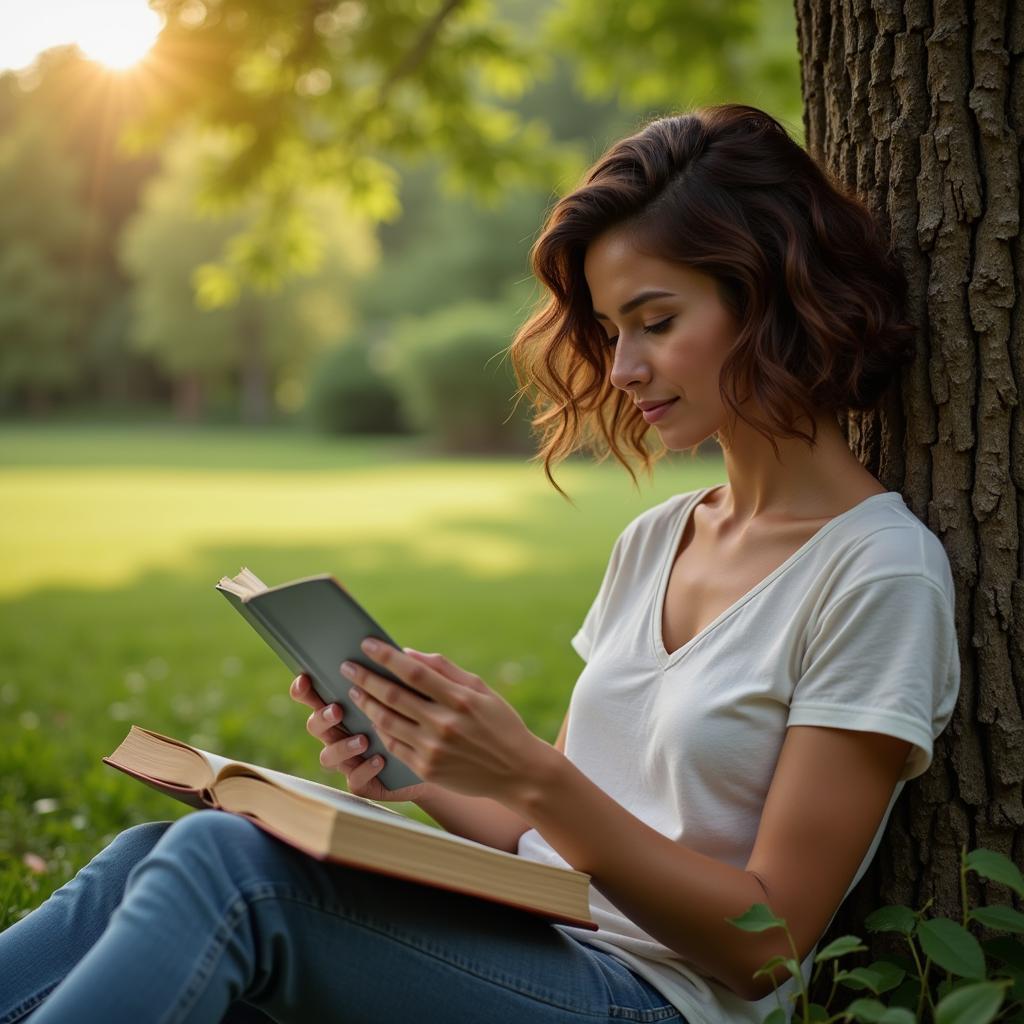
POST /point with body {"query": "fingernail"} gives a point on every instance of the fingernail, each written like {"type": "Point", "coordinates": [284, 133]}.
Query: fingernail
{"type": "Point", "coordinates": [331, 713]}
{"type": "Point", "coordinates": [355, 744]}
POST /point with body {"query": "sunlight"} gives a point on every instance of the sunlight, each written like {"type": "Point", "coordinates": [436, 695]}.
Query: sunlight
{"type": "Point", "coordinates": [69, 533]}
{"type": "Point", "coordinates": [115, 33]}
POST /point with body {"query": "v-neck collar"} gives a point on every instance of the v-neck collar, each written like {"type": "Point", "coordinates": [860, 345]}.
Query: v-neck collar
{"type": "Point", "coordinates": [657, 637]}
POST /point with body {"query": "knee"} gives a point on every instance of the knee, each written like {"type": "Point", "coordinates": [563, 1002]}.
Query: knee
{"type": "Point", "coordinates": [135, 842]}
{"type": "Point", "coordinates": [210, 829]}
{"type": "Point", "coordinates": [209, 843]}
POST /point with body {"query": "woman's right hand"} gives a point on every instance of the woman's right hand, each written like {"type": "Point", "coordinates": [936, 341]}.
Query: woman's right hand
{"type": "Point", "coordinates": [360, 772]}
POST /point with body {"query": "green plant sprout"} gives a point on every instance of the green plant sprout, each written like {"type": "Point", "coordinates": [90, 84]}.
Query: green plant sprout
{"type": "Point", "coordinates": [975, 997]}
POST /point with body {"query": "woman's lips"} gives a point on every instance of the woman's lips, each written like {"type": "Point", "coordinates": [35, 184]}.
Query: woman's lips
{"type": "Point", "coordinates": [652, 415]}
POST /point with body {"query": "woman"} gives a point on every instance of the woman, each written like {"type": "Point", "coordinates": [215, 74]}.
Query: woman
{"type": "Point", "coordinates": [769, 660]}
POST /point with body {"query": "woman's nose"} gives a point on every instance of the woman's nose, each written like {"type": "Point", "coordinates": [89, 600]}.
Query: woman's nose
{"type": "Point", "coordinates": [627, 370]}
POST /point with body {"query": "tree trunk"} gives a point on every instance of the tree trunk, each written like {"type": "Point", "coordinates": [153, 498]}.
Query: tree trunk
{"type": "Point", "coordinates": [919, 108]}
{"type": "Point", "coordinates": [255, 376]}
{"type": "Point", "coordinates": [188, 397]}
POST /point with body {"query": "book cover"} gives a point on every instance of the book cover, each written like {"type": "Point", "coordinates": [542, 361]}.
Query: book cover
{"type": "Point", "coordinates": [313, 625]}
{"type": "Point", "coordinates": [343, 828]}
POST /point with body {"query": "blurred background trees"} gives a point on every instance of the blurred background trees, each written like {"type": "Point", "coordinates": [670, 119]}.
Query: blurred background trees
{"type": "Point", "coordinates": [319, 214]}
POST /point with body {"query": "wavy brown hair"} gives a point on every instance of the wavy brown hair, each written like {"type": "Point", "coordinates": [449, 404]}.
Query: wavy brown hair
{"type": "Point", "coordinates": [800, 261]}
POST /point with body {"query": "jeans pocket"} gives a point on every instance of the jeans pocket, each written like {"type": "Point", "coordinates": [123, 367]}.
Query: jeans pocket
{"type": "Point", "coordinates": [631, 997]}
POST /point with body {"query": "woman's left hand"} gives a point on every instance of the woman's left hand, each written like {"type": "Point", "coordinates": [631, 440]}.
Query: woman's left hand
{"type": "Point", "coordinates": [466, 737]}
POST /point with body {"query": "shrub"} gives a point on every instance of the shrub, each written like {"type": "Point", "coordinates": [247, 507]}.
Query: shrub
{"type": "Point", "coordinates": [454, 380]}
{"type": "Point", "coordinates": [348, 396]}
{"type": "Point", "coordinates": [975, 997]}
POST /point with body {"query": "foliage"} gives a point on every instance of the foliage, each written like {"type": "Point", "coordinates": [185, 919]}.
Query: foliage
{"type": "Point", "coordinates": [43, 229]}
{"type": "Point", "coordinates": [662, 53]}
{"type": "Point", "coordinates": [446, 369]}
{"type": "Point", "coordinates": [976, 997]}
{"type": "Point", "coordinates": [348, 396]}
{"type": "Point", "coordinates": [451, 251]}
{"type": "Point", "coordinates": [316, 93]}
{"type": "Point", "coordinates": [61, 123]}
{"type": "Point", "coordinates": [273, 329]}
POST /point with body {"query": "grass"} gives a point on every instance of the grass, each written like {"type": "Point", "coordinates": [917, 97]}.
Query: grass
{"type": "Point", "coordinates": [113, 538]}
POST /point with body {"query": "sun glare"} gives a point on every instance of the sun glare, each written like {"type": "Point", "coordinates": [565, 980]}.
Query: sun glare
{"type": "Point", "coordinates": [115, 33]}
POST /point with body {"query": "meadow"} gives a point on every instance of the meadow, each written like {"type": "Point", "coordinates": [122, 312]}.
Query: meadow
{"type": "Point", "coordinates": [111, 541]}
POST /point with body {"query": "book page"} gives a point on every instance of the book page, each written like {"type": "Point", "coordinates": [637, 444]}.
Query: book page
{"type": "Point", "coordinates": [316, 790]}
{"type": "Point", "coordinates": [346, 802]}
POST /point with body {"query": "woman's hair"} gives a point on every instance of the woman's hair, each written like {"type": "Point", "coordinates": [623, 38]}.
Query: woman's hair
{"type": "Point", "coordinates": [800, 262]}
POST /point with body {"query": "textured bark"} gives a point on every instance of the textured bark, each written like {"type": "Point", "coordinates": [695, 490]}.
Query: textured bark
{"type": "Point", "coordinates": [919, 108]}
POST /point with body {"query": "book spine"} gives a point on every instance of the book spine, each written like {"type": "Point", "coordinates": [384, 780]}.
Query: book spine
{"type": "Point", "coordinates": [279, 644]}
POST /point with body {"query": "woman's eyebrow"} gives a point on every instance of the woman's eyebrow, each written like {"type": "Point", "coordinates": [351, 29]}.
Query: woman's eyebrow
{"type": "Point", "coordinates": [637, 300]}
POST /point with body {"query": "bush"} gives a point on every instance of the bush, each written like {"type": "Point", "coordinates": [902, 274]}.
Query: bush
{"type": "Point", "coordinates": [453, 379]}
{"type": "Point", "coordinates": [973, 991]}
{"type": "Point", "coordinates": [347, 396]}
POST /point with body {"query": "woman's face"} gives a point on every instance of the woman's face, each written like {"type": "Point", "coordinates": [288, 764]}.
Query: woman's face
{"type": "Point", "coordinates": [668, 346]}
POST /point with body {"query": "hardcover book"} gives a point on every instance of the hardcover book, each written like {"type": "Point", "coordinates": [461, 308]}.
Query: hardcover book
{"type": "Point", "coordinates": [332, 825]}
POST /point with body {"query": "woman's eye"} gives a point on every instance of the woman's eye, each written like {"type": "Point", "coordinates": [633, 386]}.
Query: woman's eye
{"type": "Point", "coordinates": [659, 328]}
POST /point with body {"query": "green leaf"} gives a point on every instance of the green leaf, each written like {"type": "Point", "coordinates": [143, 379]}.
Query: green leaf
{"type": "Point", "coordinates": [769, 966]}
{"type": "Point", "coordinates": [879, 977]}
{"type": "Point", "coordinates": [777, 1016]}
{"type": "Point", "coordinates": [996, 867]}
{"type": "Point", "coordinates": [1016, 979]}
{"type": "Point", "coordinates": [952, 947]}
{"type": "Point", "coordinates": [1000, 917]}
{"type": "Point", "coordinates": [870, 1010]}
{"type": "Point", "coordinates": [840, 947]}
{"type": "Point", "coordinates": [974, 1004]}
{"type": "Point", "coordinates": [897, 1015]}
{"type": "Point", "coordinates": [758, 918]}
{"type": "Point", "coordinates": [817, 1012]}
{"type": "Point", "coordinates": [892, 918]}
{"type": "Point", "coordinates": [889, 975]}
{"type": "Point", "coordinates": [907, 994]}
{"type": "Point", "coordinates": [878, 1013]}
{"type": "Point", "coordinates": [858, 978]}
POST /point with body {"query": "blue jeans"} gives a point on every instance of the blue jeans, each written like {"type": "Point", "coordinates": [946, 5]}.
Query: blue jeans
{"type": "Point", "coordinates": [210, 919]}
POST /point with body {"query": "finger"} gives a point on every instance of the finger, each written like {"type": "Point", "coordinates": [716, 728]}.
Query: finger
{"type": "Point", "coordinates": [363, 772]}
{"type": "Point", "coordinates": [325, 724]}
{"type": "Point", "coordinates": [341, 756]}
{"type": "Point", "coordinates": [388, 721]}
{"type": "Point", "coordinates": [423, 684]}
{"type": "Point", "coordinates": [446, 667]}
{"type": "Point", "coordinates": [302, 691]}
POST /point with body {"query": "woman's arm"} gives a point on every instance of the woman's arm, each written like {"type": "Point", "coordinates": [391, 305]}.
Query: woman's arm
{"type": "Point", "coordinates": [479, 818]}
{"type": "Point", "coordinates": [827, 798]}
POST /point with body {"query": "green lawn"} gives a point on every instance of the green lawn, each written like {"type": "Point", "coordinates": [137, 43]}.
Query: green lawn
{"type": "Point", "coordinates": [113, 537]}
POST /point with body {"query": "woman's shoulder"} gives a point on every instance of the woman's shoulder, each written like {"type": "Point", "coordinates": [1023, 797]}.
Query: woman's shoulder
{"type": "Point", "coordinates": [658, 519]}
{"type": "Point", "coordinates": [886, 539]}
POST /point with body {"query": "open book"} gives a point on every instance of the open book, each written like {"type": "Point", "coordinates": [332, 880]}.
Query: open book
{"type": "Point", "coordinates": [313, 625]}
{"type": "Point", "coordinates": [332, 825]}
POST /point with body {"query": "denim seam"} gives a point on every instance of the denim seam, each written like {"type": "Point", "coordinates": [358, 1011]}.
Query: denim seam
{"type": "Point", "coordinates": [230, 917]}
{"type": "Point", "coordinates": [29, 1004]}
{"type": "Point", "coordinates": [437, 952]}
{"type": "Point", "coordinates": [655, 1013]}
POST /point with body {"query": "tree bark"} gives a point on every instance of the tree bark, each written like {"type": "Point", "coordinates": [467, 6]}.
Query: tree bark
{"type": "Point", "coordinates": [919, 107]}
{"type": "Point", "coordinates": [254, 372]}
{"type": "Point", "coordinates": [188, 397]}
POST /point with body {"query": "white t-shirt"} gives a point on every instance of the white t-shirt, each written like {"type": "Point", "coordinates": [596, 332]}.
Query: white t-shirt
{"type": "Point", "coordinates": [854, 630]}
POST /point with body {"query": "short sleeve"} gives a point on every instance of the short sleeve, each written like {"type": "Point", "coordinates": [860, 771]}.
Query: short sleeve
{"type": "Point", "coordinates": [884, 659]}
{"type": "Point", "coordinates": [583, 641]}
